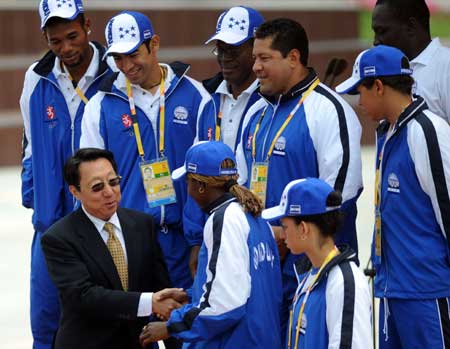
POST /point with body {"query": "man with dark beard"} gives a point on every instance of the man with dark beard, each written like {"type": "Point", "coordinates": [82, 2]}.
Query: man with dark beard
{"type": "Point", "coordinates": [55, 91]}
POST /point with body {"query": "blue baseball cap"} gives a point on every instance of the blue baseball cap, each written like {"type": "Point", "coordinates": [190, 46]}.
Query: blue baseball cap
{"type": "Point", "coordinates": [205, 158]}
{"type": "Point", "coordinates": [127, 31]}
{"type": "Point", "coordinates": [302, 197]}
{"type": "Point", "coordinates": [378, 61]}
{"type": "Point", "coordinates": [67, 9]}
{"type": "Point", "coordinates": [237, 25]}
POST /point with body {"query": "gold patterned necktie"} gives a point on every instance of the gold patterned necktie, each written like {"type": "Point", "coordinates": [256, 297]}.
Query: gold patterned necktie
{"type": "Point", "coordinates": [117, 254]}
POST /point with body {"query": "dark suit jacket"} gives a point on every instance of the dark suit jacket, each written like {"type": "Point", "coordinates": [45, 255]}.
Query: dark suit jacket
{"type": "Point", "coordinates": [95, 311]}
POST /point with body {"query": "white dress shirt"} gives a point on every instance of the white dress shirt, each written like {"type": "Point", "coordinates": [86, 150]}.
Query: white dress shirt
{"type": "Point", "coordinates": [145, 301]}
{"type": "Point", "coordinates": [431, 72]}
{"type": "Point", "coordinates": [232, 111]}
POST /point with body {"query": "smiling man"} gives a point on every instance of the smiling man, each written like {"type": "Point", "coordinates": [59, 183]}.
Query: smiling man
{"type": "Point", "coordinates": [54, 95]}
{"type": "Point", "coordinates": [105, 261]}
{"type": "Point", "coordinates": [148, 114]}
{"type": "Point", "coordinates": [234, 89]}
{"type": "Point", "coordinates": [300, 128]}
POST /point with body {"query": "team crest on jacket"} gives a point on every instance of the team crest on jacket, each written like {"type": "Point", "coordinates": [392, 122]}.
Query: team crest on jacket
{"type": "Point", "coordinates": [126, 120]}
{"type": "Point", "coordinates": [210, 134]}
{"type": "Point", "coordinates": [50, 112]}
{"type": "Point", "coordinates": [393, 183]}
{"type": "Point", "coordinates": [180, 115]}
{"type": "Point", "coordinates": [280, 146]}
{"type": "Point", "coordinates": [249, 141]}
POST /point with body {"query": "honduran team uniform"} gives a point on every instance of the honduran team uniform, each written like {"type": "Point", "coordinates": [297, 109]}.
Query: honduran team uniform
{"type": "Point", "coordinates": [237, 289]}
{"type": "Point", "coordinates": [413, 271]}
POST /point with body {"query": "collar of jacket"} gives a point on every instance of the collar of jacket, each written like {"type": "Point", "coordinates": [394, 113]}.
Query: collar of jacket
{"type": "Point", "coordinates": [303, 265]}
{"type": "Point", "coordinates": [225, 199]}
{"type": "Point", "coordinates": [411, 111]}
{"type": "Point", "coordinates": [297, 90]}
{"type": "Point", "coordinates": [179, 69]}
{"type": "Point", "coordinates": [46, 63]}
{"type": "Point", "coordinates": [213, 83]}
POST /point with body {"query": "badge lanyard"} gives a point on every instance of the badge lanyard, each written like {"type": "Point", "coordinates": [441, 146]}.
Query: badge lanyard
{"type": "Point", "coordinates": [219, 121]}
{"type": "Point", "coordinates": [328, 258]}
{"type": "Point", "coordinates": [75, 85]}
{"type": "Point", "coordinates": [286, 122]}
{"type": "Point", "coordinates": [162, 105]}
{"type": "Point", "coordinates": [260, 170]}
{"type": "Point", "coordinates": [378, 180]}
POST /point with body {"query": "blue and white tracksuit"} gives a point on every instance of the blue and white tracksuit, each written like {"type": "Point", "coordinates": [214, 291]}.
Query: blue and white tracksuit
{"type": "Point", "coordinates": [337, 313]}
{"type": "Point", "coordinates": [415, 227]}
{"type": "Point", "coordinates": [51, 136]}
{"type": "Point", "coordinates": [322, 140]}
{"type": "Point", "coordinates": [237, 289]}
{"type": "Point", "coordinates": [189, 116]}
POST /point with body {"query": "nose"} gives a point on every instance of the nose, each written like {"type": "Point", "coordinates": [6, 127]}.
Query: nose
{"type": "Point", "coordinates": [65, 47]}
{"type": "Point", "coordinates": [125, 64]}
{"type": "Point", "coordinates": [376, 41]}
{"type": "Point", "coordinates": [257, 66]}
{"type": "Point", "coordinates": [108, 190]}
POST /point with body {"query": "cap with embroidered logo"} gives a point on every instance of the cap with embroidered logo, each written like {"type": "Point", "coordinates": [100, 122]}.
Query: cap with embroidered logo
{"type": "Point", "coordinates": [127, 31]}
{"type": "Point", "coordinates": [237, 25]}
{"type": "Point", "coordinates": [205, 158]}
{"type": "Point", "coordinates": [378, 61]}
{"type": "Point", "coordinates": [67, 9]}
{"type": "Point", "coordinates": [302, 197]}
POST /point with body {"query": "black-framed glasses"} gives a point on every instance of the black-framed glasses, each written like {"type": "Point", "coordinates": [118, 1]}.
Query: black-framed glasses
{"type": "Point", "coordinates": [113, 182]}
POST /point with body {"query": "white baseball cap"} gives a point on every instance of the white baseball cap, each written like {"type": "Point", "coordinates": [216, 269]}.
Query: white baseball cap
{"type": "Point", "coordinates": [68, 9]}
{"type": "Point", "coordinates": [127, 31]}
{"type": "Point", "coordinates": [237, 25]}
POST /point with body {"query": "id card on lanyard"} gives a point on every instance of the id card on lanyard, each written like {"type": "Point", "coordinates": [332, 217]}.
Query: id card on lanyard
{"type": "Point", "coordinates": [260, 170]}
{"type": "Point", "coordinates": [155, 173]}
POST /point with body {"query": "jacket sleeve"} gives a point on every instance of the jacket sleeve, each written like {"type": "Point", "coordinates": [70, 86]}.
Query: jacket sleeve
{"type": "Point", "coordinates": [31, 79]}
{"type": "Point", "coordinates": [428, 142]}
{"type": "Point", "coordinates": [336, 134]}
{"type": "Point", "coordinates": [221, 304]}
{"type": "Point", "coordinates": [76, 288]}
{"type": "Point", "coordinates": [90, 124]}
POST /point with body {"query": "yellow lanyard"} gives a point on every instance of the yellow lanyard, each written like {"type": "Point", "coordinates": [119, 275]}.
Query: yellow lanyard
{"type": "Point", "coordinates": [286, 122]}
{"type": "Point", "coordinates": [162, 105]}
{"type": "Point", "coordinates": [219, 120]}
{"type": "Point", "coordinates": [329, 257]}
{"type": "Point", "coordinates": [77, 88]}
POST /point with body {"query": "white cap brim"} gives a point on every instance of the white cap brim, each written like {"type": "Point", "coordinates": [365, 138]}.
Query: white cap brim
{"type": "Point", "coordinates": [228, 38]}
{"type": "Point", "coordinates": [61, 14]}
{"type": "Point", "coordinates": [348, 86]}
{"type": "Point", "coordinates": [122, 47]}
{"type": "Point", "coordinates": [273, 213]}
{"type": "Point", "coordinates": [179, 173]}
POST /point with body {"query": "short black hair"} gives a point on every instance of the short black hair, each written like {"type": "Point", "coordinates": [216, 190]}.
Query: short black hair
{"type": "Point", "coordinates": [329, 222]}
{"type": "Point", "coordinates": [286, 35]}
{"type": "Point", "coordinates": [59, 20]}
{"type": "Point", "coordinates": [72, 166]}
{"type": "Point", "coordinates": [406, 9]}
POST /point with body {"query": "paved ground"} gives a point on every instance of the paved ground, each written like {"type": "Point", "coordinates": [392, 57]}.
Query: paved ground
{"type": "Point", "coordinates": [15, 241]}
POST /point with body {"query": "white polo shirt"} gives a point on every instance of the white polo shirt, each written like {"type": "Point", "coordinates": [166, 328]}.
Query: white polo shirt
{"type": "Point", "coordinates": [431, 72]}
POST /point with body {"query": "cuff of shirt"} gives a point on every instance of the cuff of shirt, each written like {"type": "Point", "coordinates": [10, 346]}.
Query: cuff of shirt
{"type": "Point", "coordinates": [145, 304]}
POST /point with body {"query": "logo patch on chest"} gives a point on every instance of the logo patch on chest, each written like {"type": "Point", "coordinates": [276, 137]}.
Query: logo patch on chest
{"type": "Point", "coordinates": [280, 146]}
{"type": "Point", "coordinates": [393, 183]}
{"type": "Point", "coordinates": [50, 112]}
{"type": "Point", "coordinates": [126, 120]}
{"type": "Point", "coordinates": [181, 115]}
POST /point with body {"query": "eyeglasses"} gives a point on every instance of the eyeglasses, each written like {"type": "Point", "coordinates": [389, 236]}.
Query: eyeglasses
{"type": "Point", "coordinates": [113, 182]}
{"type": "Point", "coordinates": [232, 52]}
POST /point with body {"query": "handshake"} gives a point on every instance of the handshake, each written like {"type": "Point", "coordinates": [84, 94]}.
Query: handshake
{"type": "Point", "coordinates": [164, 301]}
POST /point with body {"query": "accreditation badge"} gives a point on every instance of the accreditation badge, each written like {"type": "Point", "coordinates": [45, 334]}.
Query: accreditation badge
{"type": "Point", "coordinates": [158, 184]}
{"type": "Point", "coordinates": [258, 180]}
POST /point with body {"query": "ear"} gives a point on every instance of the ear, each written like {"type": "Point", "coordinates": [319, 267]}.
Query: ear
{"type": "Point", "coordinates": [294, 57]}
{"type": "Point", "coordinates": [154, 43]}
{"type": "Point", "coordinates": [87, 25]}
{"type": "Point", "coordinates": [379, 87]}
{"type": "Point", "coordinates": [74, 191]}
{"type": "Point", "coordinates": [303, 230]}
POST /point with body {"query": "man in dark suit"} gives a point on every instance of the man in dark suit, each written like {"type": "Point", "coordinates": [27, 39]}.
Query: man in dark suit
{"type": "Point", "coordinates": [105, 261]}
